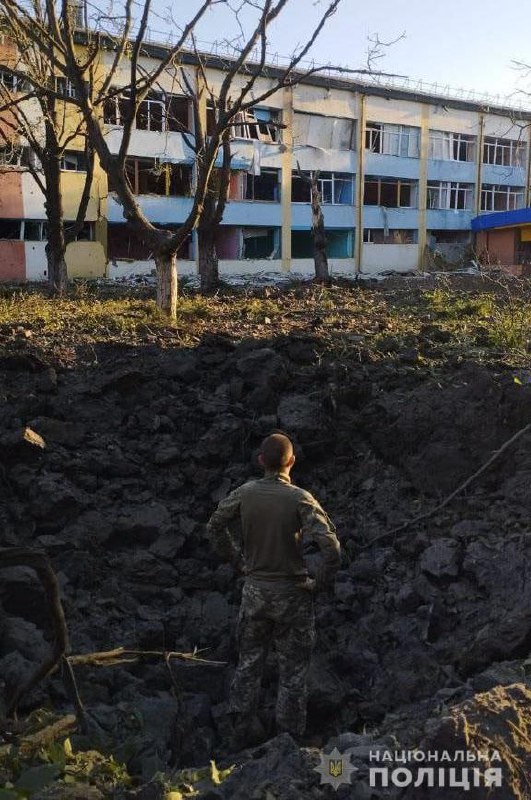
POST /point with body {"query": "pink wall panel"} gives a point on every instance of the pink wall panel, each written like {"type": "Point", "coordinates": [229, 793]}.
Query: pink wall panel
{"type": "Point", "coordinates": [12, 261]}
{"type": "Point", "coordinates": [11, 204]}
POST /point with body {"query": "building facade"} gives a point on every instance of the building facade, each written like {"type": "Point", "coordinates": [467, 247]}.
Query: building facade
{"type": "Point", "coordinates": [402, 175]}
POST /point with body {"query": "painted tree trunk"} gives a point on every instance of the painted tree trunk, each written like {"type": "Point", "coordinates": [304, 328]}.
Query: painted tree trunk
{"type": "Point", "coordinates": [319, 235]}
{"type": "Point", "coordinates": [57, 270]}
{"type": "Point", "coordinates": [167, 286]}
{"type": "Point", "coordinates": [208, 261]}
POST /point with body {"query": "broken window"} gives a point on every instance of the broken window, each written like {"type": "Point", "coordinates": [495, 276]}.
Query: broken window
{"type": "Point", "coordinates": [74, 161]}
{"type": "Point", "coordinates": [257, 123]}
{"type": "Point", "coordinates": [8, 80]}
{"type": "Point", "coordinates": [445, 146]}
{"type": "Point", "coordinates": [151, 113]}
{"type": "Point", "coordinates": [157, 112]}
{"type": "Point", "coordinates": [336, 188]}
{"type": "Point", "coordinates": [327, 133]}
{"type": "Point", "coordinates": [495, 197]}
{"type": "Point", "coordinates": [150, 176]}
{"type": "Point", "coordinates": [85, 234]}
{"type": "Point", "coordinates": [65, 87]}
{"type": "Point", "coordinates": [450, 195]}
{"type": "Point", "coordinates": [35, 230]}
{"type": "Point", "coordinates": [505, 152]}
{"type": "Point", "coordinates": [177, 113]}
{"type": "Point", "coordinates": [339, 243]}
{"type": "Point", "coordinates": [179, 180]}
{"type": "Point", "coordinates": [228, 243]}
{"type": "Point", "coordinates": [394, 236]}
{"type": "Point", "coordinates": [211, 118]}
{"type": "Point", "coordinates": [393, 140]}
{"type": "Point", "coordinates": [448, 237]}
{"type": "Point", "coordinates": [261, 243]}
{"type": "Point", "coordinates": [123, 243]}
{"type": "Point", "coordinates": [264, 186]}
{"type": "Point", "coordinates": [11, 155]}
{"type": "Point", "coordinates": [10, 228]}
{"type": "Point", "coordinates": [390, 192]}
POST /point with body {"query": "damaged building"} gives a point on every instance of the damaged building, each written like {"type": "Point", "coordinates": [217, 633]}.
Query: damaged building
{"type": "Point", "coordinates": [402, 174]}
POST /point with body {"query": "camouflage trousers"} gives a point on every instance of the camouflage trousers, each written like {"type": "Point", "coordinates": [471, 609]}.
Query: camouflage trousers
{"type": "Point", "coordinates": [284, 619]}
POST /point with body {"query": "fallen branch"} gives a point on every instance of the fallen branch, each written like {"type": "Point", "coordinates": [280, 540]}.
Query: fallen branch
{"type": "Point", "coordinates": [38, 561]}
{"type": "Point", "coordinates": [421, 517]}
{"type": "Point", "coordinates": [120, 655]}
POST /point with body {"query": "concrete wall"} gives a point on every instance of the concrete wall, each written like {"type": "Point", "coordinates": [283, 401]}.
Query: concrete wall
{"type": "Point", "coordinates": [381, 257]}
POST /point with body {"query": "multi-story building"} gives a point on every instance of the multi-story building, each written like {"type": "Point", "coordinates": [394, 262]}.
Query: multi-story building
{"type": "Point", "coordinates": [402, 175]}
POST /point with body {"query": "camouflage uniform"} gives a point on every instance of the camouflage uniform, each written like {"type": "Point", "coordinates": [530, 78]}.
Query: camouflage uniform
{"type": "Point", "coordinates": [277, 599]}
{"type": "Point", "coordinates": [286, 621]}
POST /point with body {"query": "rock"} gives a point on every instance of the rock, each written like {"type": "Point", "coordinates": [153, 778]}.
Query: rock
{"type": "Point", "coordinates": [441, 559]}
{"type": "Point", "coordinates": [47, 381]}
{"type": "Point", "coordinates": [123, 381]}
{"type": "Point", "coordinates": [57, 431]}
{"type": "Point", "coordinates": [168, 545]}
{"type": "Point", "coordinates": [24, 445]}
{"type": "Point", "coordinates": [25, 638]}
{"type": "Point", "coordinates": [501, 639]}
{"type": "Point", "coordinates": [278, 769]}
{"type": "Point", "coordinates": [140, 524]}
{"type": "Point", "coordinates": [498, 720]}
{"type": "Point", "coordinates": [54, 500]}
{"type": "Point", "coordinates": [517, 489]}
{"type": "Point", "coordinates": [299, 414]}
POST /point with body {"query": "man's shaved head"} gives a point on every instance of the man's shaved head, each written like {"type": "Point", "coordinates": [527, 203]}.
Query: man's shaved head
{"type": "Point", "coordinates": [276, 451]}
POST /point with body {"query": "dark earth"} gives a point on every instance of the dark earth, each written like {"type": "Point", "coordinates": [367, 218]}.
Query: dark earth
{"type": "Point", "coordinates": [425, 639]}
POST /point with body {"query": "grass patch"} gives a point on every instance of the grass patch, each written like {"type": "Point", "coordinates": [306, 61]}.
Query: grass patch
{"type": "Point", "coordinates": [485, 322]}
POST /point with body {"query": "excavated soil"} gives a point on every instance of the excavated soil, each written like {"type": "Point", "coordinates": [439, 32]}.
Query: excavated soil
{"type": "Point", "coordinates": [141, 441]}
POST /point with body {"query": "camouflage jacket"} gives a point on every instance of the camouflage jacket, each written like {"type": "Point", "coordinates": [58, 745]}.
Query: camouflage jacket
{"type": "Point", "coordinates": [274, 516]}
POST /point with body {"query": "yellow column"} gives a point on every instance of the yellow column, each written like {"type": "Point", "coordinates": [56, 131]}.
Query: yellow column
{"type": "Point", "coordinates": [287, 166]}
{"type": "Point", "coordinates": [360, 179]}
{"type": "Point", "coordinates": [528, 169]}
{"type": "Point", "coordinates": [423, 182]}
{"type": "Point", "coordinates": [479, 161]}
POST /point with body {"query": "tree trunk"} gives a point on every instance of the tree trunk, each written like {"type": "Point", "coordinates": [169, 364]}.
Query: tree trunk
{"type": "Point", "coordinates": [57, 270]}
{"type": "Point", "coordinates": [208, 261]}
{"type": "Point", "coordinates": [319, 235]}
{"type": "Point", "coordinates": [166, 264]}
{"type": "Point", "coordinates": [56, 244]}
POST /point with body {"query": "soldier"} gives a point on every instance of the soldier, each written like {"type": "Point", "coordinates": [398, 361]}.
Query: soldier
{"type": "Point", "coordinates": [277, 598]}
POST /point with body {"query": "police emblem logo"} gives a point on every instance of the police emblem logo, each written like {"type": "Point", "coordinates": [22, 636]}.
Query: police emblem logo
{"type": "Point", "coordinates": [335, 768]}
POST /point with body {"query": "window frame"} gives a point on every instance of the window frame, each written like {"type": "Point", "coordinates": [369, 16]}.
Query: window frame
{"type": "Point", "coordinates": [495, 189]}
{"type": "Point", "coordinates": [380, 135]}
{"type": "Point", "coordinates": [450, 191]}
{"type": "Point", "coordinates": [399, 183]}
{"type": "Point", "coordinates": [510, 152]}
{"type": "Point", "coordinates": [334, 179]}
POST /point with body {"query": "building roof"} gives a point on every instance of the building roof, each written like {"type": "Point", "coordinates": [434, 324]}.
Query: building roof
{"type": "Point", "coordinates": [502, 219]}
{"type": "Point", "coordinates": [331, 77]}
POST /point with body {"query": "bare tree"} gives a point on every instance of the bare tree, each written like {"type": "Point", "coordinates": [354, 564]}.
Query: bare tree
{"type": "Point", "coordinates": [320, 258]}
{"type": "Point", "coordinates": [58, 40]}
{"type": "Point", "coordinates": [35, 110]}
{"type": "Point", "coordinates": [218, 185]}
